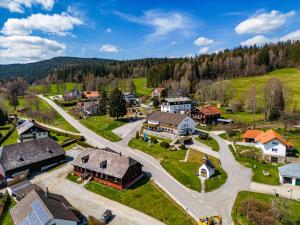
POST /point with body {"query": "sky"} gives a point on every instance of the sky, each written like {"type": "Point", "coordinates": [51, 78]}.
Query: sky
{"type": "Point", "coordinates": [34, 30]}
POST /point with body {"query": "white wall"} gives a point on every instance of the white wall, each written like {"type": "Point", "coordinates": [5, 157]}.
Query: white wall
{"type": "Point", "coordinates": [165, 107]}
{"type": "Point", "coordinates": [187, 123]}
{"type": "Point", "coordinates": [62, 222]}
{"type": "Point", "coordinates": [274, 144]}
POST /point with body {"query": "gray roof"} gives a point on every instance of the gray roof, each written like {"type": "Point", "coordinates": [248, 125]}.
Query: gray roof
{"type": "Point", "coordinates": [165, 118]}
{"type": "Point", "coordinates": [117, 165]}
{"type": "Point", "coordinates": [27, 124]}
{"type": "Point", "coordinates": [290, 170]}
{"type": "Point", "coordinates": [56, 206]}
{"type": "Point", "coordinates": [26, 153]}
{"type": "Point", "coordinates": [178, 99]}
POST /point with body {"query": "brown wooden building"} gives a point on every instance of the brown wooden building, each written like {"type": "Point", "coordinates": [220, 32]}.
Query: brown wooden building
{"type": "Point", "coordinates": [107, 167]}
{"type": "Point", "coordinates": [206, 114]}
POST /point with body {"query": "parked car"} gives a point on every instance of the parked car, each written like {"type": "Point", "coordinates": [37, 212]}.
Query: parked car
{"type": "Point", "coordinates": [106, 216]}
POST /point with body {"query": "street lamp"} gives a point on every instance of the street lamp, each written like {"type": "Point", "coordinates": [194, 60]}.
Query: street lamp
{"type": "Point", "coordinates": [291, 191]}
{"type": "Point", "coordinates": [275, 192]}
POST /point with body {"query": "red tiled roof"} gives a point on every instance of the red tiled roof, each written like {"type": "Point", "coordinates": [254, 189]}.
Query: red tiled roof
{"type": "Point", "coordinates": [91, 94]}
{"type": "Point", "coordinates": [210, 110]}
{"type": "Point", "coordinates": [252, 133]}
{"type": "Point", "coordinates": [269, 136]}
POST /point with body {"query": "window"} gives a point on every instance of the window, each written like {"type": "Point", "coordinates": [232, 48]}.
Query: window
{"type": "Point", "coordinates": [274, 150]}
{"type": "Point", "coordinates": [274, 143]}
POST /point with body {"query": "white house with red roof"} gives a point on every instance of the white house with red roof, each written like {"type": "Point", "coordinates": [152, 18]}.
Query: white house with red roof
{"type": "Point", "coordinates": [273, 145]}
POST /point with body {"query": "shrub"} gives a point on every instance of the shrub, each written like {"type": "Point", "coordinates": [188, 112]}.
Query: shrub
{"type": "Point", "coordinates": [137, 135]}
{"type": "Point", "coordinates": [154, 140]}
{"type": "Point", "coordinates": [182, 146]}
{"type": "Point", "coordinates": [203, 136]}
{"type": "Point", "coordinates": [164, 144]}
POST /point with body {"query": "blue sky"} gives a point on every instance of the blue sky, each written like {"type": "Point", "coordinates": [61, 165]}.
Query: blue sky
{"type": "Point", "coordinates": [32, 30]}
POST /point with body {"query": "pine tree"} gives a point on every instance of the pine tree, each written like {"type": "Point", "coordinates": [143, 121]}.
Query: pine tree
{"type": "Point", "coordinates": [103, 103]}
{"type": "Point", "coordinates": [155, 102]}
{"type": "Point", "coordinates": [117, 104]}
{"type": "Point", "coordinates": [3, 117]}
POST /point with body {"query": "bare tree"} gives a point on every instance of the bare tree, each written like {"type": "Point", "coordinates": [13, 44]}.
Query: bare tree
{"type": "Point", "coordinates": [251, 102]}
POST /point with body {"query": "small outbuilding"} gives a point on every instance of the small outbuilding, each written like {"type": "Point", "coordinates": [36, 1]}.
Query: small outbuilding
{"type": "Point", "coordinates": [290, 174]}
{"type": "Point", "coordinates": [207, 169]}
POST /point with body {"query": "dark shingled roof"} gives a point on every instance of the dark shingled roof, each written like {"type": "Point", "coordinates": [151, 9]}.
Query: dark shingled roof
{"type": "Point", "coordinates": [117, 165]}
{"type": "Point", "coordinates": [29, 152]}
{"type": "Point", "coordinates": [55, 205]}
{"type": "Point", "coordinates": [165, 118]}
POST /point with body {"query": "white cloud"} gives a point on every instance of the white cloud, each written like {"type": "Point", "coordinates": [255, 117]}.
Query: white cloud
{"type": "Point", "coordinates": [108, 30]}
{"type": "Point", "coordinates": [263, 22]}
{"type": "Point", "coordinates": [258, 40]}
{"type": "Point", "coordinates": [21, 49]}
{"type": "Point", "coordinates": [293, 36]}
{"type": "Point", "coordinates": [204, 50]}
{"type": "Point", "coordinates": [110, 48]}
{"type": "Point", "coordinates": [203, 41]}
{"type": "Point", "coordinates": [58, 24]}
{"type": "Point", "coordinates": [19, 5]}
{"type": "Point", "coordinates": [162, 22]}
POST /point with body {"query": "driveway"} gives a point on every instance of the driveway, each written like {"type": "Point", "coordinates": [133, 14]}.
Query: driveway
{"type": "Point", "coordinates": [125, 130]}
{"type": "Point", "coordinates": [196, 204]}
{"type": "Point", "coordinates": [88, 202]}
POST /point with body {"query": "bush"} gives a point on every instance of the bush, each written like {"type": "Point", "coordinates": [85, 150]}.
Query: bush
{"type": "Point", "coordinates": [154, 140]}
{"type": "Point", "coordinates": [203, 136]}
{"type": "Point", "coordinates": [182, 146]}
{"type": "Point", "coordinates": [137, 135]}
{"type": "Point", "coordinates": [164, 144]}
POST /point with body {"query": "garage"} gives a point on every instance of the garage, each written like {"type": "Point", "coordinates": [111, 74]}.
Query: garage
{"type": "Point", "coordinates": [298, 182]}
{"type": "Point", "coordinates": [290, 174]}
{"type": "Point", "coordinates": [287, 180]}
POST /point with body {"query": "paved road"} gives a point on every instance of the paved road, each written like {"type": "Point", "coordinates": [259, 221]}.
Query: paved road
{"type": "Point", "coordinates": [94, 204]}
{"type": "Point", "coordinates": [196, 204]}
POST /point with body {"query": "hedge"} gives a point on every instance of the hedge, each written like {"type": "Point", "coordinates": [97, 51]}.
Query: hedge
{"type": "Point", "coordinates": [3, 203]}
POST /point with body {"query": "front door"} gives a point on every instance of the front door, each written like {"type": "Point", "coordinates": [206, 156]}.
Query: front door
{"type": "Point", "coordinates": [287, 180]}
{"type": "Point", "coordinates": [274, 159]}
{"type": "Point", "coordinates": [203, 173]}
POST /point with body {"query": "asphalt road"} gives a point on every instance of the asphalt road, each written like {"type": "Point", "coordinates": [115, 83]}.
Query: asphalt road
{"type": "Point", "coordinates": [218, 202]}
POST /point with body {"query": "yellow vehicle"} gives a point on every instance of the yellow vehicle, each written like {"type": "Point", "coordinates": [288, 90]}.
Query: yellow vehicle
{"type": "Point", "coordinates": [214, 220]}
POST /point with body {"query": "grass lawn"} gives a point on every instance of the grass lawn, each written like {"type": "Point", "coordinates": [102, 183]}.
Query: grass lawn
{"type": "Point", "coordinates": [6, 217]}
{"type": "Point", "coordinates": [235, 135]}
{"type": "Point", "coordinates": [55, 89]}
{"type": "Point", "coordinates": [211, 142]}
{"type": "Point", "coordinates": [239, 218]}
{"type": "Point", "coordinates": [292, 136]}
{"type": "Point", "coordinates": [141, 86]}
{"type": "Point", "coordinates": [249, 157]}
{"type": "Point", "coordinates": [103, 125]}
{"type": "Point", "coordinates": [12, 139]}
{"type": "Point", "coordinates": [69, 147]}
{"type": "Point", "coordinates": [72, 177]}
{"type": "Point", "coordinates": [146, 197]}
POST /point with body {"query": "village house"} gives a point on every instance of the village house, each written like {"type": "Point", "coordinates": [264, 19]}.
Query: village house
{"type": "Point", "coordinates": [72, 95]}
{"type": "Point", "coordinates": [29, 156]}
{"type": "Point", "coordinates": [174, 123]}
{"type": "Point", "coordinates": [30, 130]}
{"type": "Point", "coordinates": [107, 167]}
{"type": "Point", "coordinates": [131, 98]}
{"type": "Point", "coordinates": [206, 114]}
{"type": "Point", "coordinates": [87, 109]}
{"type": "Point", "coordinates": [91, 95]}
{"type": "Point", "coordinates": [290, 174]}
{"type": "Point", "coordinates": [207, 169]}
{"type": "Point", "coordinates": [272, 144]}
{"type": "Point", "coordinates": [176, 105]}
{"type": "Point", "coordinates": [157, 92]}
{"type": "Point", "coordinates": [40, 207]}
{"type": "Point", "coordinates": [20, 190]}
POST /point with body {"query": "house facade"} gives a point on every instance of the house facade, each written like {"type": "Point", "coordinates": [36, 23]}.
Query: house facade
{"type": "Point", "coordinates": [274, 147]}
{"type": "Point", "coordinates": [174, 123]}
{"type": "Point", "coordinates": [157, 92]}
{"type": "Point", "coordinates": [290, 174]}
{"type": "Point", "coordinates": [207, 169]}
{"type": "Point", "coordinates": [43, 208]}
{"type": "Point", "coordinates": [72, 95]}
{"type": "Point", "coordinates": [206, 114]}
{"type": "Point", "coordinates": [131, 99]}
{"type": "Point", "coordinates": [176, 105]}
{"type": "Point", "coordinates": [30, 130]}
{"type": "Point", "coordinates": [107, 167]}
{"type": "Point", "coordinates": [89, 108]}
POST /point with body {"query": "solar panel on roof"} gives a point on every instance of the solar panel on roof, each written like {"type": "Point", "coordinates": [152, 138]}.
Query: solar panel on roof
{"type": "Point", "coordinates": [25, 222]}
{"type": "Point", "coordinates": [33, 219]}
{"type": "Point", "coordinates": [40, 212]}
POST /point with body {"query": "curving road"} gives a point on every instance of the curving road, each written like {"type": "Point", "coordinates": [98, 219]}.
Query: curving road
{"type": "Point", "coordinates": [196, 204]}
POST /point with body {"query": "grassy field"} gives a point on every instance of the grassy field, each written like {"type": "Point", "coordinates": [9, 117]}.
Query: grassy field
{"type": "Point", "coordinates": [292, 136]}
{"type": "Point", "coordinates": [146, 197]}
{"type": "Point", "coordinates": [239, 218]}
{"type": "Point", "coordinates": [55, 89]}
{"type": "Point", "coordinates": [72, 177]}
{"type": "Point", "coordinates": [209, 141]}
{"type": "Point", "coordinates": [103, 125]}
{"type": "Point", "coordinates": [173, 162]}
{"type": "Point", "coordinates": [6, 217]}
{"type": "Point", "coordinates": [12, 139]}
{"type": "Point", "coordinates": [141, 86]}
{"type": "Point", "coordinates": [249, 157]}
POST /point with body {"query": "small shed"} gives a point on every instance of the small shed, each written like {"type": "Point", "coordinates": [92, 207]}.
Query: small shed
{"type": "Point", "coordinates": [207, 169]}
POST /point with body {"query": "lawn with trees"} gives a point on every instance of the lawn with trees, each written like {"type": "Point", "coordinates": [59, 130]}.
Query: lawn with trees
{"type": "Point", "coordinates": [148, 198]}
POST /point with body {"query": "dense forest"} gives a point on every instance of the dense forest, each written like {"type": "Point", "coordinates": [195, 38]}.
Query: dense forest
{"type": "Point", "coordinates": [176, 72]}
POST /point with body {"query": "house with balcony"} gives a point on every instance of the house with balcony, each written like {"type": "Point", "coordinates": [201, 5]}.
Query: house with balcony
{"type": "Point", "coordinates": [176, 105]}
{"type": "Point", "coordinates": [173, 123]}
{"type": "Point", "coordinates": [30, 130]}
{"type": "Point", "coordinates": [206, 114]}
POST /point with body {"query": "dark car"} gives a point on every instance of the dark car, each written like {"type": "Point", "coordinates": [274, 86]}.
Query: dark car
{"type": "Point", "coordinates": [106, 216]}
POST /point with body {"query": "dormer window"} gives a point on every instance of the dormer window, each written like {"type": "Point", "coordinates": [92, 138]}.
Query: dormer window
{"type": "Point", "coordinates": [103, 164]}
{"type": "Point", "coordinates": [85, 159]}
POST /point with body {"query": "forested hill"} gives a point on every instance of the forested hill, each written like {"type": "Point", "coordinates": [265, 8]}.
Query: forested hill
{"type": "Point", "coordinates": [238, 62]}
{"type": "Point", "coordinates": [38, 70]}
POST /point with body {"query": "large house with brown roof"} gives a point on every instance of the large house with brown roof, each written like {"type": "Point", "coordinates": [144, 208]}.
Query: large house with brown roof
{"type": "Point", "coordinates": [43, 208]}
{"type": "Point", "coordinates": [107, 167]}
{"type": "Point", "coordinates": [206, 114]}
{"type": "Point", "coordinates": [174, 123]}
{"type": "Point", "coordinates": [272, 144]}
{"type": "Point", "coordinates": [30, 130]}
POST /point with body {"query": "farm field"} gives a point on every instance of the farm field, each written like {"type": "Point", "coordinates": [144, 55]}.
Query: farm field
{"type": "Point", "coordinates": [55, 89]}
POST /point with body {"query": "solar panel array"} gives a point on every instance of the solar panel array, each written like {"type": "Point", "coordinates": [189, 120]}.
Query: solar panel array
{"type": "Point", "coordinates": [38, 215]}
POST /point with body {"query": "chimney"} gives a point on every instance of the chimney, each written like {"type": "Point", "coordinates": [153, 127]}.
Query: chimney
{"type": "Point", "coordinates": [46, 192]}
{"type": "Point", "coordinates": [120, 153]}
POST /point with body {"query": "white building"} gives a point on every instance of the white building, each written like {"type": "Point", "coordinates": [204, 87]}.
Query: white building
{"type": "Point", "coordinates": [290, 174]}
{"type": "Point", "coordinates": [207, 169]}
{"type": "Point", "coordinates": [174, 123]}
{"type": "Point", "coordinates": [176, 105]}
{"type": "Point", "coordinates": [273, 145]}
{"type": "Point", "coordinates": [131, 98]}
{"type": "Point", "coordinates": [157, 92]}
